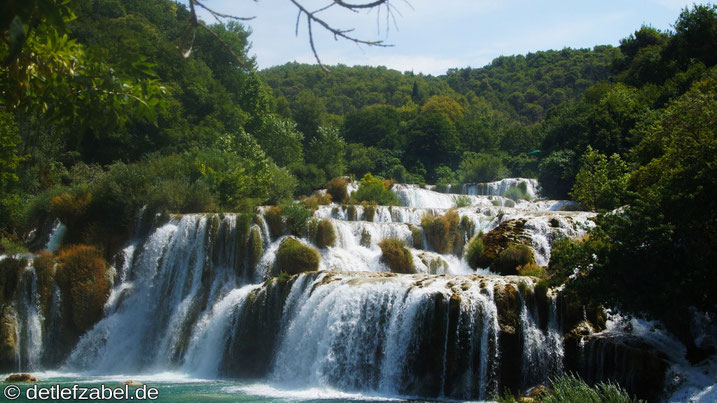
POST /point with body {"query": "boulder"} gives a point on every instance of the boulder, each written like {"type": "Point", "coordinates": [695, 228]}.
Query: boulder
{"type": "Point", "coordinates": [21, 378]}
{"type": "Point", "coordinates": [508, 233]}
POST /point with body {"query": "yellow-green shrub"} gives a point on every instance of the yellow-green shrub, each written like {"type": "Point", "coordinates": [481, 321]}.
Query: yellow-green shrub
{"type": "Point", "coordinates": [396, 256]}
{"type": "Point", "coordinates": [325, 234]}
{"type": "Point", "coordinates": [511, 258]}
{"type": "Point", "coordinates": [82, 277]}
{"type": "Point", "coordinates": [294, 257]}
{"type": "Point", "coordinates": [531, 269]}
{"type": "Point", "coordinates": [443, 232]}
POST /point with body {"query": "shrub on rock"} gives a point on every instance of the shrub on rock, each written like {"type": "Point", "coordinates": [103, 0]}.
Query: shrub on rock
{"type": "Point", "coordinates": [325, 234]}
{"type": "Point", "coordinates": [274, 220]}
{"type": "Point", "coordinates": [444, 233]}
{"type": "Point", "coordinates": [294, 257]}
{"type": "Point", "coordinates": [338, 189]}
{"type": "Point", "coordinates": [474, 251]}
{"type": "Point", "coordinates": [82, 278]}
{"type": "Point", "coordinates": [511, 258]}
{"type": "Point", "coordinates": [396, 256]}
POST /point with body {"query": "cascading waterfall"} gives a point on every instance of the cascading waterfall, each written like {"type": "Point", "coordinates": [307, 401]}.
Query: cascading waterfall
{"type": "Point", "coordinates": [185, 298]}
{"type": "Point", "coordinates": [29, 330]}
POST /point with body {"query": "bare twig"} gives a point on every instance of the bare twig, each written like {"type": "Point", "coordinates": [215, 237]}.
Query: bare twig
{"type": "Point", "coordinates": [311, 19]}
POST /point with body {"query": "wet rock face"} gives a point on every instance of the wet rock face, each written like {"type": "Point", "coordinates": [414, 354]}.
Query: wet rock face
{"type": "Point", "coordinates": [250, 349]}
{"type": "Point", "coordinates": [8, 340]}
{"type": "Point", "coordinates": [624, 359]}
{"type": "Point", "coordinates": [510, 341]}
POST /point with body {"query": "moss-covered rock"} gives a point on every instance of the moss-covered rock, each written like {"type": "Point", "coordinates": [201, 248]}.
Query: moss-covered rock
{"type": "Point", "coordinates": [8, 340]}
{"type": "Point", "coordinates": [511, 258]}
{"type": "Point", "coordinates": [369, 211]}
{"type": "Point", "coordinates": [508, 305]}
{"type": "Point", "coordinates": [294, 257]}
{"type": "Point", "coordinates": [274, 220]}
{"type": "Point", "coordinates": [508, 233]}
{"type": "Point", "coordinates": [44, 266]}
{"type": "Point", "coordinates": [82, 277]}
{"type": "Point", "coordinates": [416, 236]}
{"type": "Point", "coordinates": [325, 234]}
{"type": "Point", "coordinates": [435, 264]}
{"type": "Point", "coordinates": [351, 212]}
{"type": "Point", "coordinates": [575, 310]}
{"type": "Point", "coordinates": [396, 256]}
{"type": "Point", "coordinates": [15, 378]}
{"type": "Point", "coordinates": [365, 238]}
{"type": "Point", "coordinates": [256, 247]}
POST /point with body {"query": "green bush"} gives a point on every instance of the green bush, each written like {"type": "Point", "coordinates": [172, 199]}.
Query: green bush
{"type": "Point", "coordinates": [517, 193]}
{"type": "Point", "coordinates": [531, 269]}
{"type": "Point", "coordinates": [325, 234]}
{"type": "Point", "coordinates": [462, 201]}
{"type": "Point", "coordinates": [481, 168]}
{"type": "Point", "coordinates": [294, 257]}
{"type": "Point", "coordinates": [309, 177]}
{"type": "Point", "coordinates": [374, 190]}
{"type": "Point", "coordinates": [474, 251]}
{"type": "Point", "coordinates": [508, 260]}
{"type": "Point", "coordinates": [10, 247]}
{"type": "Point", "coordinates": [297, 217]}
{"type": "Point", "coordinates": [337, 188]}
{"type": "Point", "coordinates": [396, 256]}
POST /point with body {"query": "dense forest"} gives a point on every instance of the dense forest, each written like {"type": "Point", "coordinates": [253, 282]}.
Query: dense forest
{"type": "Point", "coordinates": [100, 112]}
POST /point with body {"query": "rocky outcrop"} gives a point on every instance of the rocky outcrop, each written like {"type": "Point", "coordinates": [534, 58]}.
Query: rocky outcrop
{"type": "Point", "coordinates": [510, 341]}
{"type": "Point", "coordinates": [508, 233]}
{"type": "Point", "coordinates": [8, 339]}
{"type": "Point", "coordinates": [628, 360]}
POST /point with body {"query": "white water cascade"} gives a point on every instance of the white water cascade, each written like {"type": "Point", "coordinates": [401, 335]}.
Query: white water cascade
{"type": "Point", "coordinates": [185, 298]}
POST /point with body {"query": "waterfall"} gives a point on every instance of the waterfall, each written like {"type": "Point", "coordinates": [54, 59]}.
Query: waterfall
{"type": "Point", "coordinates": [195, 294]}
{"type": "Point", "coordinates": [29, 330]}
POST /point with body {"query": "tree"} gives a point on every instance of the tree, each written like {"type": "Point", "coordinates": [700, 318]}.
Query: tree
{"type": "Point", "coordinates": [327, 151]}
{"type": "Point", "coordinates": [432, 139]}
{"type": "Point", "coordinates": [601, 182]}
{"type": "Point", "coordinates": [372, 125]}
{"type": "Point", "coordinates": [280, 140]}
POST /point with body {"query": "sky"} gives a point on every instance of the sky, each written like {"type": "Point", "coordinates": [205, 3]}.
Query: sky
{"type": "Point", "coordinates": [431, 36]}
